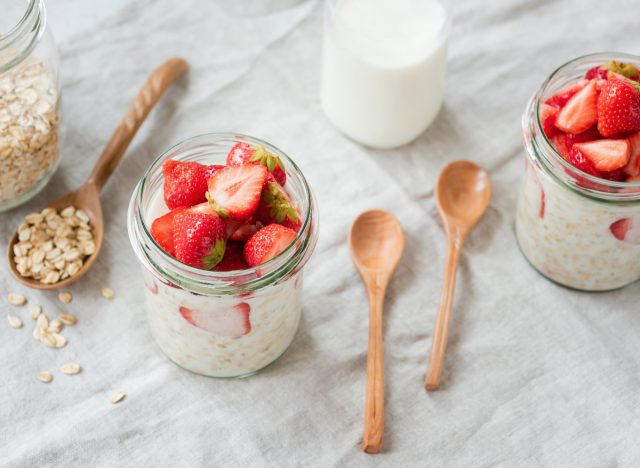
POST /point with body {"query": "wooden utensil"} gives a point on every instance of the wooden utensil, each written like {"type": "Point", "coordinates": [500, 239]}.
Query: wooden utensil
{"type": "Point", "coordinates": [463, 191]}
{"type": "Point", "coordinates": [87, 197]}
{"type": "Point", "coordinates": [376, 242]}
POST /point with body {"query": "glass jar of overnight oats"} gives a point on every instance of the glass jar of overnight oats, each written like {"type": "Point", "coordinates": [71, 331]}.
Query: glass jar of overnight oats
{"type": "Point", "coordinates": [578, 230]}
{"type": "Point", "coordinates": [29, 101]}
{"type": "Point", "coordinates": [193, 313]}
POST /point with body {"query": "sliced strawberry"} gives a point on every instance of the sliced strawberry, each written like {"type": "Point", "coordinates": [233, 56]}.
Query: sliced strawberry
{"type": "Point", "coordinates": [627, 70]}
{"type": "Point", "coordinates": [185, 183]}
{"type": "Point", "coordinates": [233, 258]}
{"type": "Point", "coordinates": [243, 153]}
{"type": "Point", "coordinates": [548, 116]}
{"type": "Point", "coordinates": [605, 155]}
{"type": "Point", "coordinates": [232, 322]}
{"type": "Point", "coordinates": [619, 107]}
{"type": "Point", "coordinates": [616, 175]}
{"type": "Point", "coordinates": [626, 230]}
{"type": "Point", "coordinates": [596, 73]}
{"type": "Point", "coordinates": [633, 166]}
{"type": "Point", "coordinates": [246, 230]}
{"type": "Point", "coordinates": [533, 191]}
{"type": "Point", "coordinates": [267, 243]}
{"type": "Point", "coordinates": [234, 191]}
{"type": "Point", "coordinates": [276, 207]}
{"type": "Point", "coordinates": [581, 111]}
{"type": "Point", "coordinates": [560, 98]}
{"type": "Point", "coordinates": [199, 238]}
{"type": "Point", "coordinates": [562, 144]}
{"type": "Point", "coordinates": [162, 231]}
{"type": "Point", "coordinates": [579, 161]}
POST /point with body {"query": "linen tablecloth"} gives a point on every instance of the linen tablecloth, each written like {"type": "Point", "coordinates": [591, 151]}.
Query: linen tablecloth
{"type": "Point", "coordinates": [535, 374]}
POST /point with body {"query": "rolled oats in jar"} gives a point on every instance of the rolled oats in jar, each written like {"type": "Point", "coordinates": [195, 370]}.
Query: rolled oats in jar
{"type": "Point", "coordinates": [29, 102]}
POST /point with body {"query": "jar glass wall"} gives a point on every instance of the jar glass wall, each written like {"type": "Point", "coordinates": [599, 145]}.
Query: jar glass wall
{"type": "Point", "coordinates": [29, 102]}
{"type": "Point", "coordinates": [576, 229]}
{"type": "Point", "coordinates": [188, 307]}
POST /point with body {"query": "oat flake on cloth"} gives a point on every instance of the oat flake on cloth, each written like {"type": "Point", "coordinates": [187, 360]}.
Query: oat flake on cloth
{"type": "Point", "coordinates": [535, 375]}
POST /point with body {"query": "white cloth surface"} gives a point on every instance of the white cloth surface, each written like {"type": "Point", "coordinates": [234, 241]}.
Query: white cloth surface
{"type": "Point", "coordinates": [535, 374]}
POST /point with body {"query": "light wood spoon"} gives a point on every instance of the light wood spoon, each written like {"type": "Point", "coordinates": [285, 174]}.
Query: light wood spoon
{"type": "Point", "coordinates": [463, 192]}
{"type": "Point", "coordinates": [376, 242]}
{"type": "Point", "coordinates": [87, 197]}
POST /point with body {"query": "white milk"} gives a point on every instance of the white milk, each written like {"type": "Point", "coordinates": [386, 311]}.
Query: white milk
{"type": "Point", "coordinates": [384, 63]}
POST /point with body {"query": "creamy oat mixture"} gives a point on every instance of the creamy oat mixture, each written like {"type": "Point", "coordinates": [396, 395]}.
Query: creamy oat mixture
{"type": "Point", "coordinates": [28, 127]}
{"type": "Point", "coordinates": [568, 237]}
{"type": "Point", "coordinates": [274, 316]}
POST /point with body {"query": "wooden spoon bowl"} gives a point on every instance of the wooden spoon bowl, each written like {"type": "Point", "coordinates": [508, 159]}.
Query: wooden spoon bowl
{"type": "Point", "coordinates": [87, 197]}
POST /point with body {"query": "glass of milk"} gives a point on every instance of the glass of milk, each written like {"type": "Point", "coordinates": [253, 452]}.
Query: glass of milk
{"type": "Point", "coordinates": [384, 67]}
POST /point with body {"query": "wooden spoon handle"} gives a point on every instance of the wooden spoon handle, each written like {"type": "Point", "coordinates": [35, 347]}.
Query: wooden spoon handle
{"type": "Point", "coordinates": [441, 332]}
{"type": "Point", "coordinates": [151, 92]}
{"type": "Point", "coordinates": [374, 397]}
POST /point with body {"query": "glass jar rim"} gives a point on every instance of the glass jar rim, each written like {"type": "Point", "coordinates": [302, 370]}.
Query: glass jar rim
{"type": "Point", "coordinates": [537, 142]}
{"type": "Point", "coordinates": [224, 282]}
{"type": "Point", "coordinates": [33, 23]}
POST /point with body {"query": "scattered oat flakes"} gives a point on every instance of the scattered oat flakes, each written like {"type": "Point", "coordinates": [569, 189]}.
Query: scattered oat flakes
{"type": "Point", "coordinates": [35, 313]}
{"type": "Point", "coordinates": [59, 340]}
{"type": "Point", "coordinates": [67, 319]}
{"type": "Point", "coordinates": [70, 368]}
{"type": "Point", "coordinates": [55, 326]}
{"type": "Point", "coordinates": [42, 321]}
{"type": "Point", "coordinates": [65, 297]}
{"type": "Point", "coordinates": [118, 397]}
{"type": "Point", "coordinates": [14, 321]}
{"type": "Point", "coordinates": [108, 293]}
{"type": "Point", "coordinates": [47, 338]}
{"type": "Point", "coordinates": [45, 377]}
{"type": "Point", "coordinates": [16, 299]}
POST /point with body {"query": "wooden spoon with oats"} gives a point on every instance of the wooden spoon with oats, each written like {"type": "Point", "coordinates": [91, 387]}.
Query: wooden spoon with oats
{"type": "Point", "coordinates": [87, 197]}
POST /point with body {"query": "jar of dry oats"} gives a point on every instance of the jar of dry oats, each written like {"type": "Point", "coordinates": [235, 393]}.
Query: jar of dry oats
{"type": "Point", "coordinates": [29, 101]}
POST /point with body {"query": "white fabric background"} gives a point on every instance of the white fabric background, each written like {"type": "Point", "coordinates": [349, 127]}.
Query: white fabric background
{"type": "Point", "coordinates": [536, 375]}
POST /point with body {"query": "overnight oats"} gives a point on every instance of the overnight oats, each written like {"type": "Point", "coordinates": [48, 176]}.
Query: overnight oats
{"type": "Point", "coordinates": [223, 225]}
{"type": "Point", "coordinates": [578, 218]}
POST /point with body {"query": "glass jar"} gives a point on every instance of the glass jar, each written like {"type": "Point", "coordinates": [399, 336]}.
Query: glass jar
{"type": "Point", "coordinates": [268, 297]}
{"type": "Point", "coordinates": [383, 67]}
{"type": "Point", "coordinates": [578, 230]}
{"type": "Point", "coordinates": [29, 102]}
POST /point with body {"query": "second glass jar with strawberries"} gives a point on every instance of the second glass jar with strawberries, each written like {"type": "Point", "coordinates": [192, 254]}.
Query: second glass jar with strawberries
{"type": "Point", "coordinates": [223, 225]}
{"type": "Point", "coordinates": [578, 218]}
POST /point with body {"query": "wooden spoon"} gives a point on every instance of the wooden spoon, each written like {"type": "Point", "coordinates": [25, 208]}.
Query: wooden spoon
{"type": "Point", "coordinates": [376, 242]}
{"type": "Point", "coordinates": [463, 191]}
{"type": "Point", "coordinates": [87, 197]}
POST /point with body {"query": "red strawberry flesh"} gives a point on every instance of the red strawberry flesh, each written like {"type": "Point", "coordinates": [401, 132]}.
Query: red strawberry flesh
{"type": "Point", "coordinates": [234, 191]}
{"type": "Point", "coordinates": [605, 155]}
{"type": "Point", "coordinates": [267, 243]}
{"type": "Point", "coordinates": [276, 207]}
{"type": "Point", "coordinates": [199, 238]}
{"type": "Point", "coordinates": [581, 111]}
{"type": "Point", "coordinates": [232, 322]}
{"type": "Point", "coordinates": [243, 153]}
{"type": "Point", "coordinates": [185, 183]}
{"type": "Point", "coordinates": [619, 108]}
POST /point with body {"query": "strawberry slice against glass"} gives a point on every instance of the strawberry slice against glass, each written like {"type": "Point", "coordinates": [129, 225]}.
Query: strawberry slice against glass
{"type": "Point", "coordinates": [632, 169]}
{"type": "Point", "coordinates": [605, 155]}
{"type": "Point", "coordinates": [626, 230]}
{"type": "Point", "coordinates": [232, 322]}
{"type": "Point", "coordinates": [267, 243]}
{"type": "Point", "coordinates": [233, 258]}
{"type": "Point", "coordinates": [234, 191]}
{"type": "Point", "coordinates": [581, 111]}
{"type": "Point", "coordinates": [560, 98]}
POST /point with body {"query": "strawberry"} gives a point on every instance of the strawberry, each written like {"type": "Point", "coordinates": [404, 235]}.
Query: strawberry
{"type": "Point", "coordinates": [234, 191]}
{"type": "Point", "coordinates": [633, 166]}
{"type": "Point", "coordinates": [579, 161]}
{"type": "Point", "coordinates": [626, 230]}
{"type": "Point", "coordinates": [162, 231]}
{"type": "Point", "coordinates": [276, 207]}
{"type": "Point", "coordinates": [562, 144]}
{"type": "Point", "coordinates": [548, 116]}
{"type": "Point", "coordinates": [233, 322]}
{"type": "Point", "coordinates": [243, 153]}
{"type": "Point", "coordinates": [581, 111]}
{"type": "Point", "coordinates": [233, 258]}
{"type": "Point", "coordinates": [246, 230]}
{"type": "Point", "coordinates": [199, 238]}
{"type": "Point", "coordinates": [619, 108]}
{"type": "Point", "coordinates": [605, 155]}
{"type": "Point", "coordinates": [627, 70]}
{"type": "Point", "coordinates": [560, 98]}
{"type": "Point", "coordinates": [267, 243]}
{"type": "Point", "coordinates": [185, 183]}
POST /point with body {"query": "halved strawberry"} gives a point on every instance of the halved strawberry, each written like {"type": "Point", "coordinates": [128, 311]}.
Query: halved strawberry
{"type": "Point", "coordinates": [246, 230]}
{"type": "Point", "coordinates": [267, 243]}
{"type": "Point", "coordinates": [162, 231]}
{"type": "Point", "coordinates": [619, 107]}
{"type": "Point", "coordinates": [632, 168]}
{"type": "Point", "coordinates": [232, 322]}
{"type": "Point", "coordinates": [233, 258]}
{"type": "Point", "coordinates": [627, 70]}
{"type": "Point", "coordinates": [276, 207]}
{"type": "Point", "coordinates": [243, 153]}
{"type": "Point", "coordinates": [199, 238]}
{"type": "Point", "coordinates": [626, 230]}
{"type": "Point", "coordinates": [581, 111]}
{"type": "Point", "coordinates": [234, 191]}
{"type": "Point", "coordinates": [579, 161]}
{"type": "Point", "coordinates": [548, 116]}
{"type": "Point", "coordinates": [560, 98]}
{"type": "Point", "coordinates": [605, 155]}
{"type": "Point", "coordinates": [185, 183]}
{"type": "Point", "coordinates": [562, 144]}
